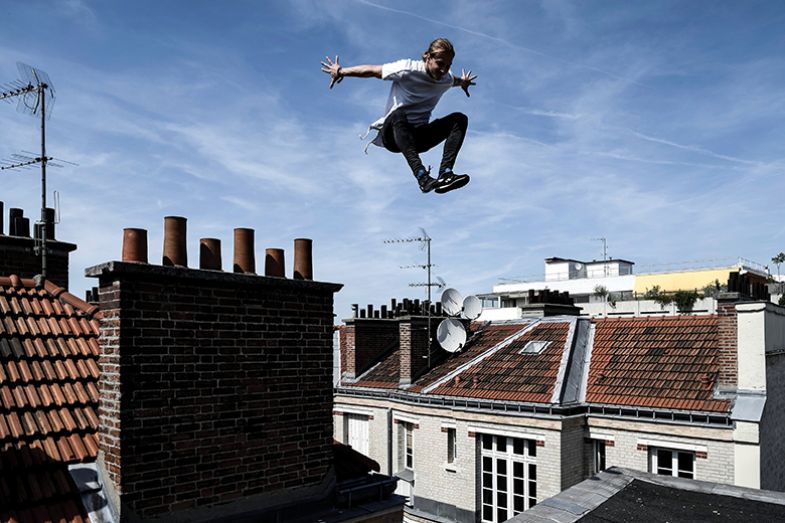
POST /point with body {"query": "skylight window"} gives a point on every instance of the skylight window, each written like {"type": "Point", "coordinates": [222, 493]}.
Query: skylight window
{"type": "Point", "coordinates": [534, 347]}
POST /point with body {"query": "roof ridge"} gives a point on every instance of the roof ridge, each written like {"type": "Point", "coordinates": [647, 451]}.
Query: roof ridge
{"type": "Point", "coordinates": [66, 297]}
{"type": "Point", "coordinates": [16, 282]}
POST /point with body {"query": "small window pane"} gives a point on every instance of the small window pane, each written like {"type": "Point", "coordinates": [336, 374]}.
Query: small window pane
{"type": "Point", "coordinates": [501, 513]}
{"type": "Point", "coordinates": [532, 447]}
{"type": "Point", "coordinates": [686, 465]}
{"type": "Point", "coordinates": [451, 444]}
{"type": "Point", "coordinates": [517, 446]}
{"type": "Point", "coordinates": [501, 466]}
{"type": "Point", "coordinates": [501, 444]}
{"type": "Point", "coordinates": [517, 469]}
{"type": "Point", "coordinates": [487, 512]}
{"type": "Point", "coordinates": [664, 462]}
{"type": "Point", "coordinates": [487, 496]}
{"type": "Point", "coordinates": [487, 441]}
{"type": "Point", "coordinates": [533, 472]}
{"type": "Point", "coordinates": [518, 504]}
{"type": "Point", "coordinates": [517, 486]}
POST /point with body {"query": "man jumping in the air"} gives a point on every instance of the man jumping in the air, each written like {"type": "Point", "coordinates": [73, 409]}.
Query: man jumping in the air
{"type": "Point", "coordinates": [406, 127]}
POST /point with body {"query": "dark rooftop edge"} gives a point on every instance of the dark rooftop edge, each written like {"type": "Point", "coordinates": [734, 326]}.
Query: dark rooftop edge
{"type": "Point", "coordinates": [162, 272]}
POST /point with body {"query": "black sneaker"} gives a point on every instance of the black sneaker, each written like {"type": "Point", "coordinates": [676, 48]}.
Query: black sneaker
{"type": "Point", "coordinates": [427, 184]}
{"type": "Point", "coordinates": [450, 181]}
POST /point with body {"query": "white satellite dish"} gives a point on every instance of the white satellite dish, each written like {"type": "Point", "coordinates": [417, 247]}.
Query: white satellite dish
{"type": "Point", "coordinates": [452, 302]}
{"type": "Point", "coordinates": [472, 307]}
{"type": "Point", "coordinates": [451, 335]}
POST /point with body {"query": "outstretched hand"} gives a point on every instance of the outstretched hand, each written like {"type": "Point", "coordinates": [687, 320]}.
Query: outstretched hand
{"type": "Point", "coordinates": [333, 68]}
{"type": "Point", "coordinates": [466, 79]}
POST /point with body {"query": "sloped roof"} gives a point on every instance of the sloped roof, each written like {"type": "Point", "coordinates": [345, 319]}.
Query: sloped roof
{"type": "Point", "coordinates": [386, 374]}
{"type": "Point", "coordinates": [510, 375]}
{"type": "Point", "coordinates": [664, 362]}
{"type": "Point", "coordinates": [48, 399]}
{"type": "Point", "coordinates": [650, 362]}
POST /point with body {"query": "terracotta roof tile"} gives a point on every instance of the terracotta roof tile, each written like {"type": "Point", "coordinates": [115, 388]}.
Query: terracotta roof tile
{"type": "Point", "coordinates": [509, 375]}
{"type": "Point", "coordinates": [665, 362]}
{"type": "Point", "coordinates": [48, 399]}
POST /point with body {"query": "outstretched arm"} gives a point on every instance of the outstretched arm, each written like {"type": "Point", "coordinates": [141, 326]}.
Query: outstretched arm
{"type": "Point", "coordinates": [337, 73]}
{"type": "Point", "coordinates": [464, 81]}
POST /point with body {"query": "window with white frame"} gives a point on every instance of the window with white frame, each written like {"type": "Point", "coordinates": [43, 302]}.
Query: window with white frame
{"type": "Point", "coordinates": [405, 446]}
{"type": "Point", "coordinates": [677, 463]}
{"type": "Point", "coordinates": [452, 446]}
{"type": "Point", "coordinates": [508, 468]}
{"type": "Point", "coordinates": [356, 432]}
{"type": "Point", "coordinates": [599, 456]}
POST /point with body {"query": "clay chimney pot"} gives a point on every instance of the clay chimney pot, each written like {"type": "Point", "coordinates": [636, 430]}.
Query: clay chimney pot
{"type": "Point", "coordinates": [135, 245]}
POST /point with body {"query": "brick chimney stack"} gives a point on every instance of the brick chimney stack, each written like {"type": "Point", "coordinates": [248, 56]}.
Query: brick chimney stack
{"type": "Point", "coordinates": [364, 341]}
{"type": "Point", "coordinates": [17, 251]}
{"type": "Point", "coordinates": [413, 333]}
{"type": "Point", "coordinates": [216, 391]}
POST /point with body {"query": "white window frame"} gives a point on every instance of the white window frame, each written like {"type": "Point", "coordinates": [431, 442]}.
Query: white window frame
{"type": "Point", "coordinates": [361, 444]}
{"type": "Point", "coordinates": [452, 445]}
{"type": "Point", "coordinates": [405, 457]}
{"type": "Point", "coordinates": [673, 466]}
{"type": "Point", "coordinates": [495, 488]}
{"type": "Point", "coordinates": [599, 449]}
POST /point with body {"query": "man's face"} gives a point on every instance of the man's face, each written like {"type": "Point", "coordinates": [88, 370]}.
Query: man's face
{"type": "Point", "coordinates": [437, 65]}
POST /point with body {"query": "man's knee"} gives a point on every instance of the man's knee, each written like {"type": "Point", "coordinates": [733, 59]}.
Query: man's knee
{"type": "Point", "coordinates": [461, 119]}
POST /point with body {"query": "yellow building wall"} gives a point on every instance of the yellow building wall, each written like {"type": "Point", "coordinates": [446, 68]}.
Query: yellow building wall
{"type": "Point", "coordinates": [686, 280]}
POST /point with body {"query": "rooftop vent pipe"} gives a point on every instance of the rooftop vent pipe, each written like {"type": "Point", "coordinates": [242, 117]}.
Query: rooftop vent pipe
{"type": "Point", "coordinates": [210, 254]}
{"type": "Point", "coordinates": [303, 259]}
{"type": "Point", "coordinates": [244, 258]}
{"type": "Point", "coordinates": [135, 245]}
{"type": "Point", "coordinates": [23, 227]}
{"type": "Point", "coordinates": [274, 263]}
{"type": "Point", "coordinates": [175, 252]}
{"type": "Point", "coordinates": [13, 215]}
{"type": "Point", "coordinates": [50, 224]}
{"type": "Point", "coordinates": [1, 218]}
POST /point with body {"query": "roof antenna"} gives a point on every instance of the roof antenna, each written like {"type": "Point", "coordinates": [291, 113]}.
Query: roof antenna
{"type": "Point", "coordinates": [36, 96]}
{"type": "Point", "coordinates": [425, 243]}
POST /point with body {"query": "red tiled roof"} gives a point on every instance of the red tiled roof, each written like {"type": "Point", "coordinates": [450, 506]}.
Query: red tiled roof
{"type": "Point", "coordinates": [512, 376]}
{"type": "Point", "coordinates": [483, 340]}
{"type": "Point", "coordinates": [48, 399]}
{"type": "Point", "coordinates": [667, 362]}
{"type": "Point", "coordinates": [384, 375]}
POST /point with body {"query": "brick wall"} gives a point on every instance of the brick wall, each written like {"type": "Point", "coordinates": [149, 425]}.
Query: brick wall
{"type": "Point", "coordinates": [18, 257]}
{"type": "Point", "coordinates": [215, 387]}
{"type": "Point", "coordinates": [727, 340]}
{"type": "Point", "coordinates": [413, 332]}
{"type": "Point", "coordinates": [363, 341]}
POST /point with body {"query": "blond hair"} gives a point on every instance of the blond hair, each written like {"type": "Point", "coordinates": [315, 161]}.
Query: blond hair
{"type": "Point", "coordinates": [439, 46]}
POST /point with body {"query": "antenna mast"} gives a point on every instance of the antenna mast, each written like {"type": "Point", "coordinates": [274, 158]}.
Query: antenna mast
{"type": "Point", "coordinates": [33, 90]}
{"type": "Point", "coordinates": [425, 241]}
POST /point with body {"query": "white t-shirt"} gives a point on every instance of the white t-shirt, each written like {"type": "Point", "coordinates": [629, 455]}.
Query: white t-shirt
{"type": "Point", "coordinates": [411, 88]}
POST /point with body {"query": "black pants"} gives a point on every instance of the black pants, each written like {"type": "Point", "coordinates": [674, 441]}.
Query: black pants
{"type": "Point", "coordinates": [399, 136]}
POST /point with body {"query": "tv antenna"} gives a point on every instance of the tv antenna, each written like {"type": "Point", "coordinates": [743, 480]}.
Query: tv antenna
{"type": "Point", "coordinates": [36, 96]}
{"type": "Point", "coordinates": [425, 243]}
{"type": "Point", "coordinates": [451, 334]}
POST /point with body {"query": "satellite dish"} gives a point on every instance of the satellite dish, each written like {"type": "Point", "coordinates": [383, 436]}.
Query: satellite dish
{"type": "Point", "coordinates": [472, 307]}
{"type": "Point", "coordinates": [451, 335]}
{"type": "Point", "coordinates": [578, 266]}
{"type": "Point", "coordinates": [452, 301]}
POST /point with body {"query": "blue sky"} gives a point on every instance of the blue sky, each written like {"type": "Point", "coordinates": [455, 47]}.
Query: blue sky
{"type": "Point", "coordinates": [657, 125]}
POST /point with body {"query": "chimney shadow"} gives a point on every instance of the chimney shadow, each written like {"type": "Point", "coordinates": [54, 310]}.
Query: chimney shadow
{"type": "Point", "coordinates": [33, 485]}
